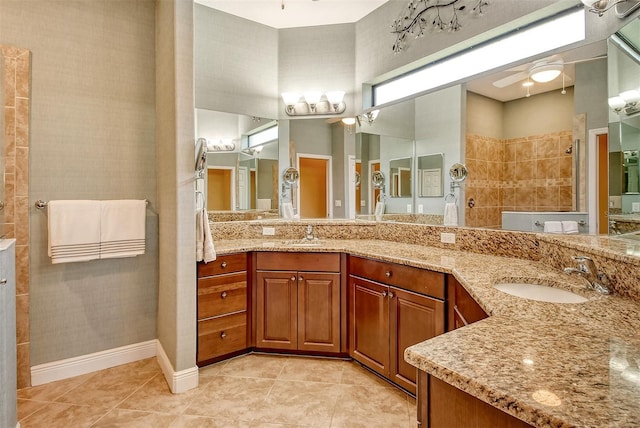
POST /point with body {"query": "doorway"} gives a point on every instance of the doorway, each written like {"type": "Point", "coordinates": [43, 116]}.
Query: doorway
{"type": "Point", "coordinates": [220, 188]}
{"type": "Point", "coordinates": [314, 191]}
{"type": "Point", "coordinates": [598, 182]}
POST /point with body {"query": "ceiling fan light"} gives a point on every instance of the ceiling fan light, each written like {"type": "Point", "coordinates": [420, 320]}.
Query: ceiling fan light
{"type": "Point", "coordinates": [349, 120]}
{"type": "Point", "coordinates": [598, 4]}
{"type": "Point", "coordinates": [546, 72]}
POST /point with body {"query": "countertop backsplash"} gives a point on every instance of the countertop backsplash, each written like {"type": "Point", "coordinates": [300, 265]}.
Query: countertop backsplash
{"type": "Point", "coordinates": [619, 259]}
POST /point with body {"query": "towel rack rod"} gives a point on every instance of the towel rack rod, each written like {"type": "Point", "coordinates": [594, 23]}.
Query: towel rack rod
{"type": "Point", "coordinates": [540, 224]}
{"type": "Point", "coordinates": [40, 204]}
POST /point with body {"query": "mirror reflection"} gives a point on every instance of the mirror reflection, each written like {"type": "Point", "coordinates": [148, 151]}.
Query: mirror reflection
{"type": "Point", "coordinates": [430, 175]}
{"type": "Point", "coordinates": [624, 132]}
{"type": "Point", "coordinates": [242, 162]}
{"type": "Point", "coordinates": [400, 177]}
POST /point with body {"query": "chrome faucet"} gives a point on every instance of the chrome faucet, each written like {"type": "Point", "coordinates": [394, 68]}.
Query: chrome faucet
{"type": "Point", "coordinates": [598, 281]}
{"type": "Point", "coordinates": [309, 235]}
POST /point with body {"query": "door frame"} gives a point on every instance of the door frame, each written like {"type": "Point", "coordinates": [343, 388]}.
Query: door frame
{"type": "Point", "coordinates": [592, 183]}
{"type": "Point", "coordinates": [329, 180]}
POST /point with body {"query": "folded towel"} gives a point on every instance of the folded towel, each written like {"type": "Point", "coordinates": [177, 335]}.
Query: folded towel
{"type": "Point", "coordinates": [553, 227]}
{"type": "Point", "coordinates": [122, 228]}
{"type": "Point", "coordinates": [570, 227]}
{"type": "Point", "coordinates": [450, 214]}
{"type": "Point", "coordinates": [74, 231]}
{"type": "Point", "coordinates": [379, 211]}
{"type": "Point", "coordinates": [204, 241]}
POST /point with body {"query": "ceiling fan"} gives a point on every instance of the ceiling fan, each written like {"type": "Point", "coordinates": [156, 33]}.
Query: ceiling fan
{"type": "Point", "coordinates": [541, 71]}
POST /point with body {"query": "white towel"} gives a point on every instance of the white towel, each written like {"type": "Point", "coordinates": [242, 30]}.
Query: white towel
{"type": "Point", "coordinates": [379, 211]}
{"type": "Point", "coordinates": [122, 228]}
{"type": "Point", "coordinates": [450, 214]}
{"type": "Point", "coordinates": [553, 227]}
{"type": "Point", "coordinates": [570, 227]}
{"type": "Point", "coordinates": [204, 241]}
{"type": "Point", "coordinates": [287, 210]}
{"type": "Point", "coordinates": [74, 231]}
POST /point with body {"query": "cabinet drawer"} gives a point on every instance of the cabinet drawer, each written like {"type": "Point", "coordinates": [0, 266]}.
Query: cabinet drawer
{"type": "Point", "coordinates": [414, 279]}
{"type": "Point", "coordinates": [223, 264]}
{"type": "Point", "coordinates": [222, 294]}
{"type": "Point", "coordinates": [223, 335]}
{"type": "Point", "coordinates": [311, 262]}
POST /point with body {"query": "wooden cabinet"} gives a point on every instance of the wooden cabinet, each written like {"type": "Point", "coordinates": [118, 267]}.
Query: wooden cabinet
{"type": "Point", "coordinates": [222, 308]}
{"type": "Point", "coordinates": [450, 407]}
{"type": "Point", "coordinates": [462, 309]}
{"type": "Point", "coordinates": [466, 411]}
{"type": "Point", "coordinates": [299, 302]}
{"type": "Point", "coordinates": [389, 310]}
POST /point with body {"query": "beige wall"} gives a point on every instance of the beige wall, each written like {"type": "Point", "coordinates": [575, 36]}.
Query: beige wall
{"type": "Point", "coordinates": [539, 114]}
{"type": "Point", "coordinates": [16, 94]}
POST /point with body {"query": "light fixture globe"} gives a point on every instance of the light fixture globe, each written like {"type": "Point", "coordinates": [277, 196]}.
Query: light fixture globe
{"type": "Point", "coordinates": [335, 98]}
{"type": "Point", "coordinates": [631, 97]}
{"type": "Point", "coordinates": [312, 98]}
{"type": "Point", "coordinates": [545, 72]}
{"type": "Point", "coordinates": [617, 104]}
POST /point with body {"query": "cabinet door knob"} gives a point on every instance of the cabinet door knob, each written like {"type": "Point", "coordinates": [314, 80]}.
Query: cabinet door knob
{"type": "Point", "coordinates": [3, 281]}
{"type": "Point", "coordinates": [223, 295]}
{"type": "Point", "coordinates": [391, 295]}
{"type": "Point", "coordinates": [223, 335]}
{"type": "Point", "coordinates": [384, 294]}
{"type": "Point", "coordinates": [223, 265]}
{"type": "Point", "coordinates": [300, 278]}
{"type": "Point", "coordinates": [293, 278]}
{"type": "Point", "coordinates": [388, 274]}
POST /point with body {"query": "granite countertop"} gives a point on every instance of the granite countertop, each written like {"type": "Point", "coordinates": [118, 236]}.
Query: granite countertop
{"type": "Point", "coordinates": [548, 364]}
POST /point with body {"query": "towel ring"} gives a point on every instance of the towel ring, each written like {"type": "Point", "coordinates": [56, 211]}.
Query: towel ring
{"type": "Point", "coordinates": [453, 198]}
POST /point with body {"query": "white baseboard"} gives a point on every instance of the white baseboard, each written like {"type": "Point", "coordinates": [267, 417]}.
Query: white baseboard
{"type": "Point", "coordinates": [181, 381]}
{"type": "Point", "coordinates": [63, 369]}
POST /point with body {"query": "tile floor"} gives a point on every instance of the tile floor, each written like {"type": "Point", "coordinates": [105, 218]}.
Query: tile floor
{"type": "Point", "coordinates": [249, 391]}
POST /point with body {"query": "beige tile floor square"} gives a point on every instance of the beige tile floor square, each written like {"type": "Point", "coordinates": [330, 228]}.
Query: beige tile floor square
{"type": "Point", "coordinates": [251, 391]}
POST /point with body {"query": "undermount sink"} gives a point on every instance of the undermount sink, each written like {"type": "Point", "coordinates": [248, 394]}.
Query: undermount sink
{"type": "Point", "coordinates": [541, 293]}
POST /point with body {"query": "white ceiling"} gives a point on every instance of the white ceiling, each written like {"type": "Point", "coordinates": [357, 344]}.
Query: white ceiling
{"type": "Point", "coordinates": [296, 13]}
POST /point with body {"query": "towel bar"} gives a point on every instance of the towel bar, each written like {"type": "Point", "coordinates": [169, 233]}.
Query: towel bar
{"type": "Point", "coordinates": [540, 224]}
{"type": "Point", "coordinates": [40, 204]}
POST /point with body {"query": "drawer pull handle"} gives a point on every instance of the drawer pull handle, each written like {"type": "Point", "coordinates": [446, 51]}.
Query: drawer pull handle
{"type": "Point", "coordinates": [223, 265]}
{"type": "Point", "coordinates": [223, 295]}
{"type": "Point", "coordinates": [384, 294]}
{"type": "Point", "coordinates": [293, 278]}
{"type": "Point", "coordinates": [388, 274]}
{"type": "Point", "coordinates": [391, 295]}
{"type": "Point", "coordinates": [223, 335]}
{"type": "Point", "coordinates": [300, 278]}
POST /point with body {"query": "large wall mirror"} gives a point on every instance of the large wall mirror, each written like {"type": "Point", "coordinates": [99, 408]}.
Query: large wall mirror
{"type": "Point", "coordinates": [624, 132]}
{"type": "Point", "coordinates": [242, 161]}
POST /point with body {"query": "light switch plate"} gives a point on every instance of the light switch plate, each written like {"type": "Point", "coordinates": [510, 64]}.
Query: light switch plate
{"type": "Point", "coordinates": [363, 203]}
{"type": "Point", "coordinates": [635, 207]}
{"type": "Point", "coordinates": [268, 231]}
{"type": "Point", "coordinates": [448, 238]}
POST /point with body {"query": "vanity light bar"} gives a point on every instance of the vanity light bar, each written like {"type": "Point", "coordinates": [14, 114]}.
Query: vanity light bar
{"type": "Point", "coordinates": [532, 40]}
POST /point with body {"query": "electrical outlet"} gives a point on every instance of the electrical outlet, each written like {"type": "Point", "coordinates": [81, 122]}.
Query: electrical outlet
{"type": "Point", "coordinates": [363, 203]}
{"type": "Point", "coordinates": [635, 207]}
{"type": "Point", "coordinates": [338, 203]}
{"type": "Point", "coordinates": [409, 208]}
{"type": "Point", "coordinates": [420, 208]}
{"type": "Point", "coordinates": [268, 231]}
{"type": "Point", "coordinates": [448, 238]}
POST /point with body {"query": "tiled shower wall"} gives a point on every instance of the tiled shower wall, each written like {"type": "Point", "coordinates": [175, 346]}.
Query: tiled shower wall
{"type": "Point", "coordinates": [16, 181]}
{"type": "Point", "coordinates": [522, 174]}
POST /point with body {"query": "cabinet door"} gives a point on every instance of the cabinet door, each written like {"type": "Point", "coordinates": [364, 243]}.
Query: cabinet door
{"type": "Point", "coordinates": [319, 311]}
{"type": "Point", "coordinates": [276, 310]}
{"type": "Point", "coordinates": [369, 324]}
{"type": "Point", "coordinates": [414, 318]}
